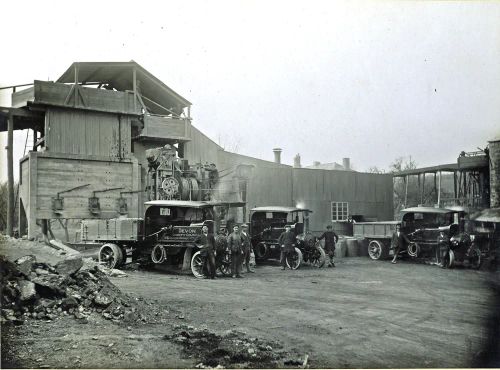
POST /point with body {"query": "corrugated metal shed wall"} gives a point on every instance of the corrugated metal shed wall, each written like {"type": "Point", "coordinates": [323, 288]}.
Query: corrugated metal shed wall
{"type": "Point", "coordinates": [270, 183]}
{"type": "Point", "coordinates": [201, 147]}
{"type": "Point", "coordinates": [75, 131]}
{"type": "Point", "coordinates": [369, 195]}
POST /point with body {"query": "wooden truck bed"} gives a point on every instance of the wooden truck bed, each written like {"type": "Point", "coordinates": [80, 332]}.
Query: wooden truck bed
{"type": "Point", "coordinates": [375, 230]}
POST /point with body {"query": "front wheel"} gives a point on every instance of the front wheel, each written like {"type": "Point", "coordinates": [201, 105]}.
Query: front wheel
{"type": "Point", "coordinates": [293, 259]}
{"type": "Point", "coordinates": [377, 250]}
{"type": "Point", "coordinates": [318, 257]}
{"type": "Point", "coordinates": [111, 256]}
{"type": "Point", "coordinates": [197, 262]}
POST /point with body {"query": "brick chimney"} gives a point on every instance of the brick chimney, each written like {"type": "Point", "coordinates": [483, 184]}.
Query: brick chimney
{"type": "Point", "coordinates": [346, 163]}
{"type": "Point", "coordinates": [277, 155]}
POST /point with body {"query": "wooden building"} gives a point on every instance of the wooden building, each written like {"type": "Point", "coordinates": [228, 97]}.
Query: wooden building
{"type": "Point", "coordinates": [92, 129]}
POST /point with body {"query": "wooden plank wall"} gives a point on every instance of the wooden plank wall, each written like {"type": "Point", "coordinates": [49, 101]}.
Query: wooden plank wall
{"type": "Point", "coordinates": [165, 127]}
{"type": "Point", "coordinates": [52, 93]}
{"type": "Point", "coordinates": [54, 175]}
{"type": "Point", "coordinates": [21, 97]}
{"type": "Point", "coordinates": [88, 133]}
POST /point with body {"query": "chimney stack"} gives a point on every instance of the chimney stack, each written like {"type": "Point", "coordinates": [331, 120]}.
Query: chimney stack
{"type": "Point", "coordinates": [316, 163]}
{"type": "Point", "coordinates": [277, 155]}
{"type": "Point", "coordinates": [296, 161]}
{"type": "Point", "coordinates": [346, 162]}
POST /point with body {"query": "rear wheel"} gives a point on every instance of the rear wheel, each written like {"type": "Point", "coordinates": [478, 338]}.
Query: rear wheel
{"type": "Point", "coordinates": [448, 259]}
{"type": "Point", "coordinates": [111, 256]}
{"type": "Point", "coordinates": [197, 265]}
{"type": "Point", "coordinates": [377, 250]}
{"type": "Point", "coordinates": [294, 259]}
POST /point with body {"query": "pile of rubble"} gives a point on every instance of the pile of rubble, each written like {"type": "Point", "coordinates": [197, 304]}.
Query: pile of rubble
{"type": "Point", "coordinates": [37, 290]}
{"type": "Point", "coordinates": [230, 349]}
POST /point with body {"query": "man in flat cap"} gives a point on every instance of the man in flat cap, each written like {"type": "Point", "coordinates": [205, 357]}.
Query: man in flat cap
{"type": "Point", "coordinates": [331, 239]}
{"type": "Point", "coordinates": [287, 243]}
{"type": "Point", "coordinates": [247, 247]}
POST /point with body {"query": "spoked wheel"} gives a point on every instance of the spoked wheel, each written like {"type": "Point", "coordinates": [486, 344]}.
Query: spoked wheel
{"type": "Point", "coordinates": [475, 258]}
{"type": "Point", "coordinates": [225, 266]}
{"type": "Point", "coordinates": [110, 256]}
{"type": "Point", "coordinates": [448, 259]}
{"type": "Point", "coordinates": [293, 259]}
{"type": "Point", "coordinates": [377, 250]}
{"type": "Point", "coordinates": [197, 265]}
{"type": "Point", "coordinates": [318, 256]}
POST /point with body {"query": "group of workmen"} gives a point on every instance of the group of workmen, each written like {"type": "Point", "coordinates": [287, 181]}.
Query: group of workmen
{"type": "Point", "coordinates": [240, 247]}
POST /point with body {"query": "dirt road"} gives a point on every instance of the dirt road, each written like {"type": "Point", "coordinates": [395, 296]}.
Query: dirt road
{"type": "Point", "coordinates": [362, 313]}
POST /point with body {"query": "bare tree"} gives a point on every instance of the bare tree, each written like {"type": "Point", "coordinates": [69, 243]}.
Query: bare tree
{"type": "Point", "coordinates": [231, 143]}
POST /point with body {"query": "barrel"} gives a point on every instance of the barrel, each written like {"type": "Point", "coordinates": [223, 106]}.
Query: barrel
{"type": "Point", "coordinates": [352, 247]}
{"type": "Point", "coordinates": [341, 248]}
{"type": "Point", "coordinates": [363, 247]}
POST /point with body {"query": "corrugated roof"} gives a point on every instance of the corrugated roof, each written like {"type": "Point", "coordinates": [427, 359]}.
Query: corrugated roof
{"type": "Point", "coordinates": [119, 75]}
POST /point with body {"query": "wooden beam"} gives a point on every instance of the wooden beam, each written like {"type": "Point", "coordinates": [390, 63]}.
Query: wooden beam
{"type": "Point", "coordinates": [14, 86]}
{"type": "Point", "coordinates": [10, 176]}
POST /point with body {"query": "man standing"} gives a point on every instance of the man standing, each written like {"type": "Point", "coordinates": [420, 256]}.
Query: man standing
{"type": "Point", "coordinates": [208, 242]}
{"type": "Point", "coordinates": [247, 247]}
{"type": "Point", "coordinates": [235, 243]}
{"type": "Point", "coordinates": [287, 243]}
{"type": "Point", "coordinates": [398, 241]}
{"type": "Point", "coordinates": [331, 239]}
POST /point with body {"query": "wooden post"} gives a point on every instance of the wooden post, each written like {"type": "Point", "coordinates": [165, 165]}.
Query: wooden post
{"type": "Point", "coordinates": [423, 188]}
{"type": "Point", "coordinates": [10, 175]}
{"type": "Point", "coordinates": [406, 191]}
{"type": "Point", "coordinates": [76, 83]}
{"type": "Point", "coordinates": [439, 189]}
{"type": "Point", "coordinates": [134, 84]}
{"type": "Point", "coordinates": [455, 184]}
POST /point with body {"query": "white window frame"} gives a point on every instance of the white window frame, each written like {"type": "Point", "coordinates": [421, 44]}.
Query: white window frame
{"type": "Point", "coordinates": [341, 212]}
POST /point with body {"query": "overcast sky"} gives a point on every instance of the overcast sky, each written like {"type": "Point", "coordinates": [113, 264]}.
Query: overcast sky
{"type": "Point", "coordinates": [367, 80]}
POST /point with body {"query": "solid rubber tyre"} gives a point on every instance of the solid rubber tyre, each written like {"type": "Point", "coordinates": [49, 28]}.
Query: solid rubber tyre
{"type": "Point", "coordinates": [377, 250]}
{"type": "Point", "coordinates": [110, 255]}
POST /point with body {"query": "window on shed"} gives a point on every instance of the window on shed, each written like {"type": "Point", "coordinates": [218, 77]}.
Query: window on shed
{"type": "Point", "coordinates": [340, 211]}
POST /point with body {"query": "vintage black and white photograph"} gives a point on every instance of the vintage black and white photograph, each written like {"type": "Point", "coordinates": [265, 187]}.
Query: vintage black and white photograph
{"type": "Point", "coordinates": [250, 184]}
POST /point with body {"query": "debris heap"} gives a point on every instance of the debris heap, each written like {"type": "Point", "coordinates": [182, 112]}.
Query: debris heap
{"type": "Point", "coordinates": [37, 290]}
{"type": "Point", "coordinates": [228, 349]}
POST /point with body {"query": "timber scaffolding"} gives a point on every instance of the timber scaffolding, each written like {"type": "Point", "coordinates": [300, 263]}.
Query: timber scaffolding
{"type": "Point", "coordinates": [94, 113]}
{"type": "Point", "coordinates": [471, 184]}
